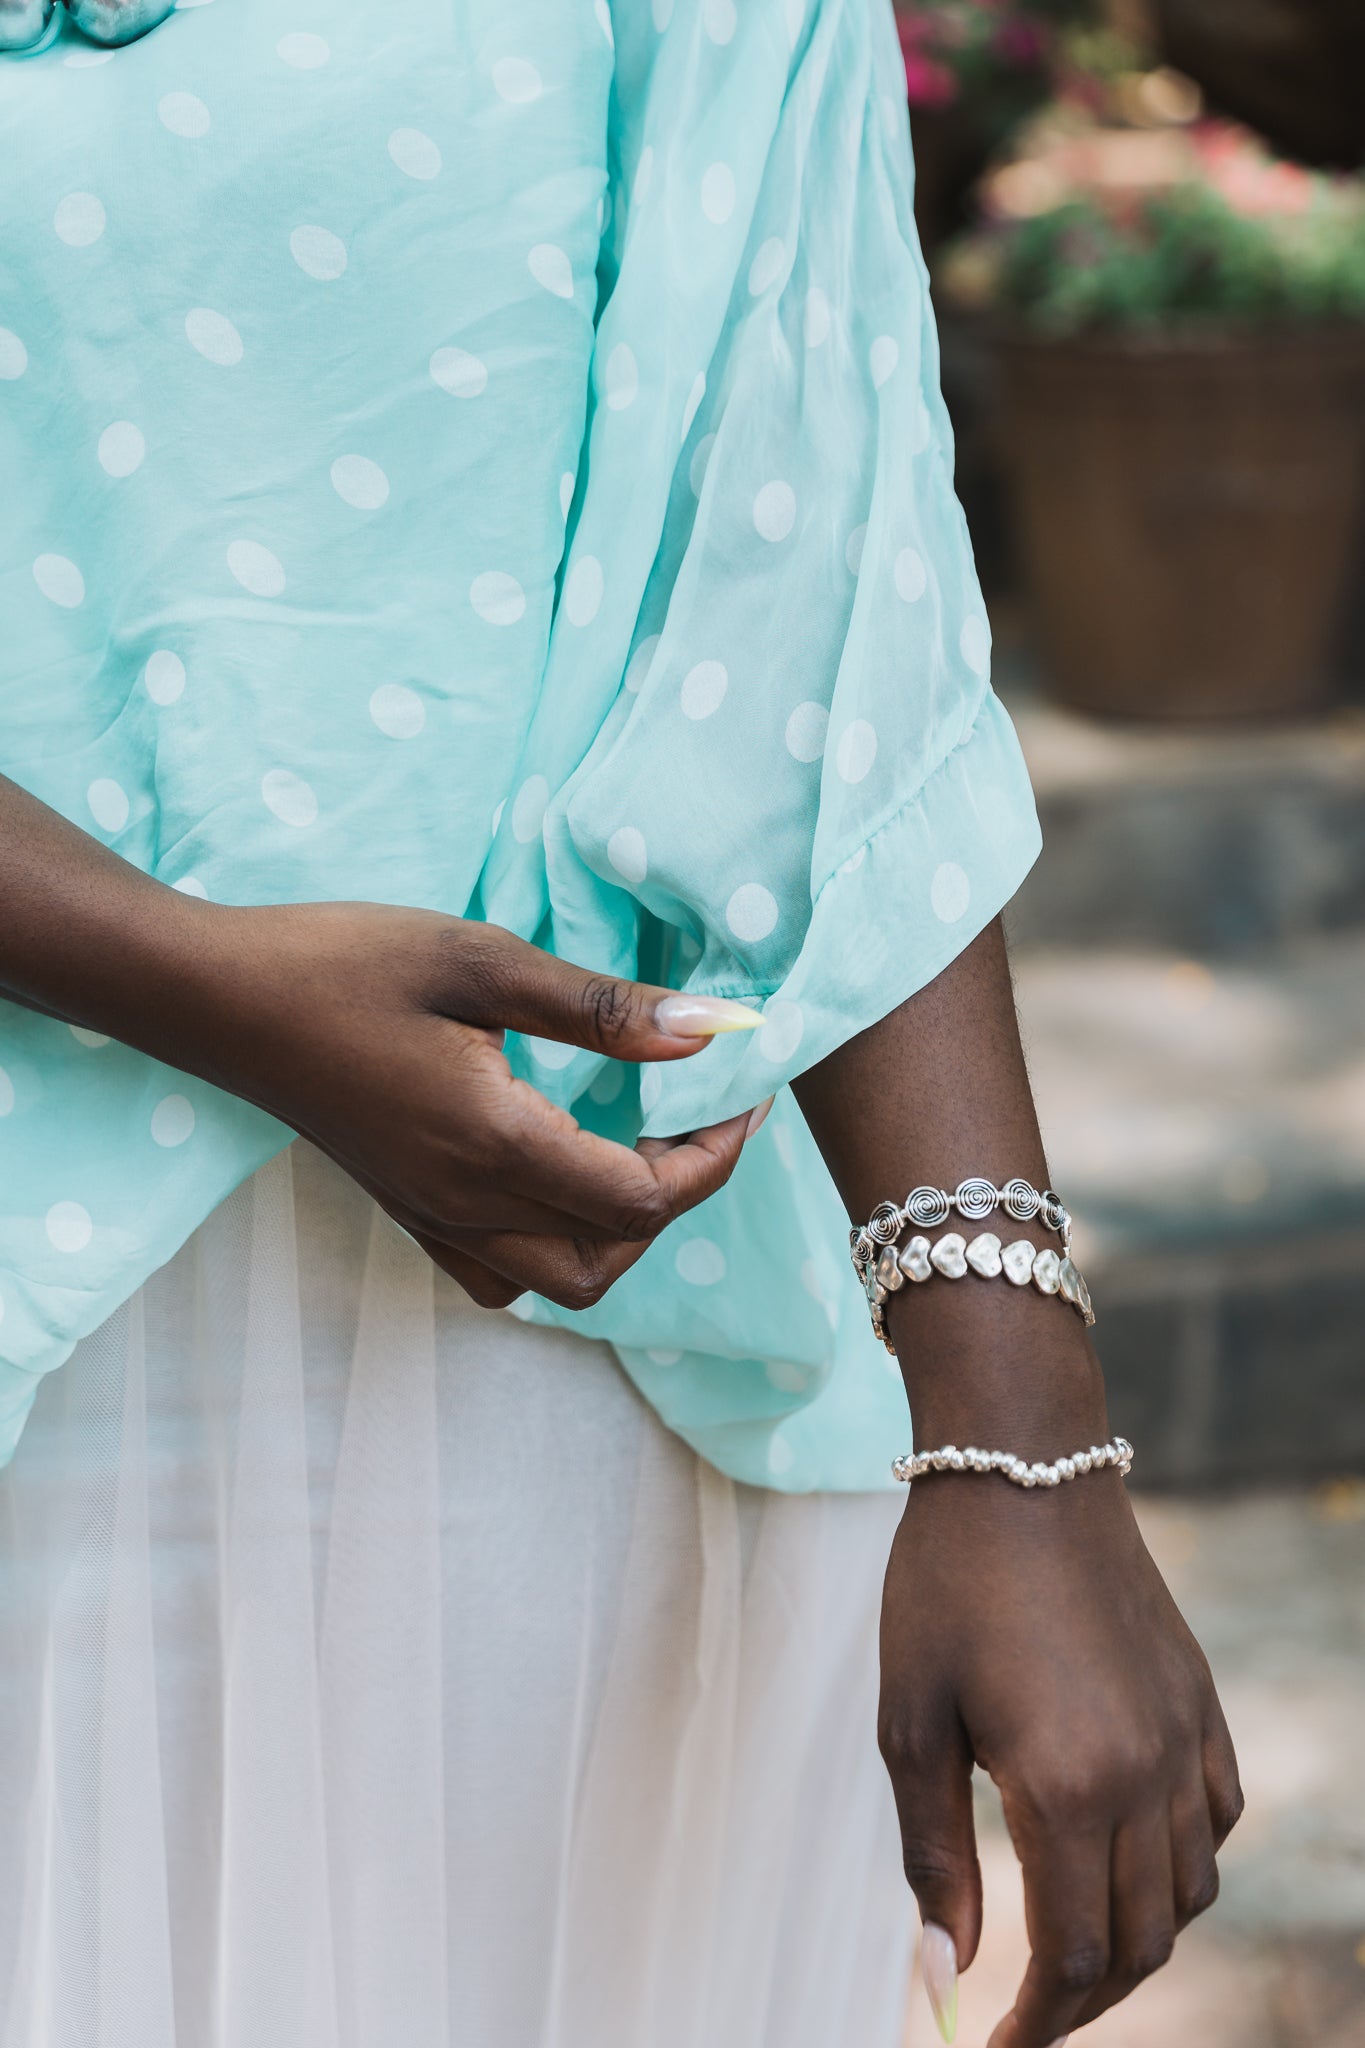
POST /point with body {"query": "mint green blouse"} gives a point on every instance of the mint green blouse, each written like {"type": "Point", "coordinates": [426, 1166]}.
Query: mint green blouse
{"type": "Point", "coordinates": [488, 454]}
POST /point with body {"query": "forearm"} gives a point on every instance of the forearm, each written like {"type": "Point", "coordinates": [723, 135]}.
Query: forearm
{"type": "Point", "coordinates": [936, 1092]}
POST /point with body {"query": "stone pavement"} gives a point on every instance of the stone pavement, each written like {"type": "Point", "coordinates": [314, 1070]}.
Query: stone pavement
{"type": "Point", "coordinates": [1274, 1586]}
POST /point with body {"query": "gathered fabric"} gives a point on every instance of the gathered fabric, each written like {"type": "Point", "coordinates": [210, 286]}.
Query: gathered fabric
{"type": "Point", "coordinates": [488, 455]}
{"type": "Point", "coordinates": [376, 1670]}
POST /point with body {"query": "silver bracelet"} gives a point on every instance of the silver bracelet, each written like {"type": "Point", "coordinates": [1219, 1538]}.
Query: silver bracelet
{"type": "Point", "coordinates": [973, 1199]}
{"type": "Point", "coordinates": [917, 1260]}
{"type": "Point", "coordinates": [1118, 1452]}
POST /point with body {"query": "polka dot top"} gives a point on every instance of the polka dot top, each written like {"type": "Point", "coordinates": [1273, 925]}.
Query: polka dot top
{"type": "Point", "coordinates": [487, 454]}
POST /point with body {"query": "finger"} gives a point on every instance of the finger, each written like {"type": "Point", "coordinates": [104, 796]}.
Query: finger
{"type": "Point", "coordinates": [1194, 1855]}
{"type": "Point", "coordinates": [485, 1288]}
{"type": "Point", "coordinates": [929, 1761]}
{"type": "Point", "coordinates": [498, 979]}
{"type": "Point", "coordinates": [1066, 1906]}
{"type": "Point", "coordinates": [1222, 1779]}
{"type": "Point", "coordinates": [1142, 1905]}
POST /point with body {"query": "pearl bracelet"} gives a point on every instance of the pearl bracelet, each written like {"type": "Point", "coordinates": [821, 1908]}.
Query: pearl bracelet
{"type": "Point", "coordinates": [1118, 1452]}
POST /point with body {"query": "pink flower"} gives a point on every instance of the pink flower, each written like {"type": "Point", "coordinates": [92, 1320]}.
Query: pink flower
{"type": "Point", "coordinates": [1021, 43]}
{"type": "Point", "coordinates": [928, 84]}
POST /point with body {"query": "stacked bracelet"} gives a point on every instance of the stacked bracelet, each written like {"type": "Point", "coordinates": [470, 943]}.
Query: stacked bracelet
{"type": "Point", "coordinates": [1118, 1452]}
{"type": "Point", "coordinates": [883, 1266]}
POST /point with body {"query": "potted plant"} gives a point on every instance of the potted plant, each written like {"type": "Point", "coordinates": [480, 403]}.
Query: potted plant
{"type": "Point", "coordinates": [1180, 323]}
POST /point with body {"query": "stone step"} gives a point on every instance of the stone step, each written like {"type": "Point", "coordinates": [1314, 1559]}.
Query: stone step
{"type": "Point", "coordinates": [1205, 1122]}
{"type": "Point", "coordinates": [1219, 841]}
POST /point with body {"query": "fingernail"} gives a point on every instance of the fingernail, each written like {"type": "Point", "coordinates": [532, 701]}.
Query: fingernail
{"type": "Point", "coordinates": [703, 1016]}
{"type": "Point", "coordinates": [756, 1117]}
{"type": "Point", "coordinates": [938, 1960]}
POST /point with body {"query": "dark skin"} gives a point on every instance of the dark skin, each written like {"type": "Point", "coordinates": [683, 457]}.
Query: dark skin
{"type": "Point", "coordinates": [1029, 1632]}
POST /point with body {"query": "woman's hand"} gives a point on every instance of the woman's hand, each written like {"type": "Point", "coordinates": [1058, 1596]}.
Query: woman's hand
{"type": "Point", "coordinates": [1031, 1633]}
{"type": "Point", "coordinates": [377, 1033]}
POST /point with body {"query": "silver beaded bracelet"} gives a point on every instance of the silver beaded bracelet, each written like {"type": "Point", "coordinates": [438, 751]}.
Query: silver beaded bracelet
{"type": "Point", "coordinates": [1118, 1452]}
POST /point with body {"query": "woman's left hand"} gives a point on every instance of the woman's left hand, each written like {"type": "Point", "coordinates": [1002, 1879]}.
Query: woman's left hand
{"type": "Point", "coordinates": [1030, 1632]}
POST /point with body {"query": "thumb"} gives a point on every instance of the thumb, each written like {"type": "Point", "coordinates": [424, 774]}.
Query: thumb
{"type": "Point", "coordinates": [523, 988]}
{"type": "Point", "coordinates": [938, 1836]}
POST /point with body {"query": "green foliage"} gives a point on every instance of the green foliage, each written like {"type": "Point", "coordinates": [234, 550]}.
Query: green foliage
{"type": "Point", "coordinates": [1182, 258]}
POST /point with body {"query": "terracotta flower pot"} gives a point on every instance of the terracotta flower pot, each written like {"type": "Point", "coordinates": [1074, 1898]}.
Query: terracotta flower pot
{"type": "Point", "coordinates": [1190, 513]}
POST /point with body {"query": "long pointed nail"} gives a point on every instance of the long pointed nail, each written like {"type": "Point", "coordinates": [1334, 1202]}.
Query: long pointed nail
{"type": "Point", "coordinates": [938, 1960]}
{"type": "Point", "coordinates": [703, 1016]}
{"type": "Point", "coordinates": [757, 1116]}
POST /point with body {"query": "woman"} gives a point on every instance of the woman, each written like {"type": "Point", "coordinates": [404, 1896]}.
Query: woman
{"type": "Point", "coordinates": [496, 685]}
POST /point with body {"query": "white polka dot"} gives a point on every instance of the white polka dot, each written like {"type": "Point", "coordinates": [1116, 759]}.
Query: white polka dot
{"type": "Point", "coordinates": [108, 802]}
{"type": "Point", "coordinates": [663, 1357]}
{"type": "Point", "coordinates": [289, 797]}
{"type": "Point", "coordinates": [853, 549]}
{"type": "Point", "coordinates": [551, 1053]}
{"type": "Point", "coordinates": [457, 372]}
{"type": "Point", "coordinates": [651, 1088]}
{"type": "Point", "coordinates": [121, 448]}
{"type": "Point", "coordinates": [255, 568]}
{"type": "Point", "coordinates": [607, 1085]}
{"type": "Point", "coordinates": [856, 751]}
{"type": "Point", "coordinates": [6, 1093]}
{"type": "Point", "coordinates": [780, 1032]}
{"type": "Point", "coordinates": [882, 358]}
{"type": "Point", "coordinates": [622, 377]}
{"type": "Point", "coordinates": [415, 154]}
{"type": "Point", "coordinates": [497, 597]}
{"type": "Point", "coordinates": [694, 399]}
{"type": "Point", "coordinates": [785, 1376]}
{"type": "Point", "coordinates": [662, 12]}
{"type": "Point", "coordinates": [79, 219]}
{"type": "Point", "coordinates": [644, 172]}
{"type": "Point", "coordinates": [950, 892]}
{"type": "Point", "coordinates": [398, 711]}
{"type": "Point", "coordinates": [911, 575]}
{"type": "Point", "coordinates": [700, 1261]}
{"type": "Point", "coordinates": [214, 335]}
{"type": "Point", "coordinates": [816, 323]}
{"type": "Point", "coordinates": [184, 114]}
{"type": "Point", "coordinates": [775, 511]}
{"type": "Point", "coordinates": [164, 676]}
{"type": "Point", "coordinates": [498, 810]}
{"type": "Point", "coordinates": [13, 355]}
{"type": "Point", "coordinates": [583, 591]}
{"type": "Point", "coordinates": [782, 1142]}
{"type": "Point", "coordinates": [318, 252]}
{"type": "Point", "coordinates": [806, 730]}
{"type": "Point", "coordinates": [529, 806]}
{"type": "Point", "coordinates": [627, 853]}
{"type": "Point", "coordinates": [696, 468]}
{"type": "Point", "coordinates": [516, 80]}
{"type": "Point", "coordinates": [638, 668]}
{"type": "Point", "coordinates": [360, 482]}
{"type": "Point", "coordinates": [88, 60]}
{"type": "Point", "coordinates": [69, 1228]}
{"type": "Point", "coordinates": [172, 1121]}
{"type": "Point", "coordinates": [566, 489]}
{"type": "Point", "coordinates": [550, 267]}
{"type": "Point", "coordinates": [603, 13]}
{"type": "Point", "coordinates": [751, 912]}
{"type": "Point", "coordinates": [718, 19]}
{"type": "Point", "coordinates": [921, 433]}
{"type": "Point", "coordinates": [60, 581]}
{"type": "Point", "coordinates": [781, 1456]}
{"type": "Point", "coordinates": [795, 13]}
{"type": "Point", "coordinates": [854, 862]}
{"type": "Point", "coordinates": [92, 1039]}
{"type": "Point", "coordinates": [305, 52]}
{"type": "Point", "coordinates": [975, 642]}
{"type": "Point", "coordinates": [718, 193]}
{"type": "Point", "coordinates": [703, 689]}
{"type": "Point", "coordinates": [190, 885]}
{"type": "Point", "coordinates": [810, 1280]}
{"type": "Point", "coordinates": [768, 266]}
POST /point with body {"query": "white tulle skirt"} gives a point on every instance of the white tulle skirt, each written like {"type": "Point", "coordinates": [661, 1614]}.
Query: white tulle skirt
{"type": "Point", "coordinates": [376, 1672]}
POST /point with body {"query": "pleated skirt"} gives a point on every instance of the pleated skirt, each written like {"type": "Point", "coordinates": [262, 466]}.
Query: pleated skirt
{"type": "Point", "coordinates": [378, 1672]}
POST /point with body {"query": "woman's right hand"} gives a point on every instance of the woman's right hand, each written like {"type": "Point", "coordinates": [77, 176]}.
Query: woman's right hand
{"type": "Point", "coordinates": [377, 1033]}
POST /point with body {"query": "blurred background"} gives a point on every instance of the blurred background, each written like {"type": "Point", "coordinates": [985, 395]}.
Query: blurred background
{"type": "Point", "coordinates": [1145, 223]}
